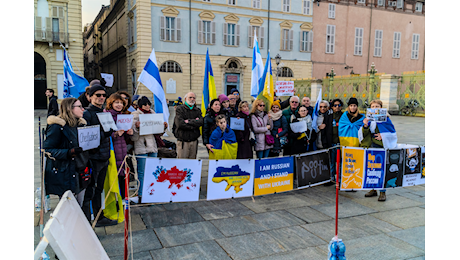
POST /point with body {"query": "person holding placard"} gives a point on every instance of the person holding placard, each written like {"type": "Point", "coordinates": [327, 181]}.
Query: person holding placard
{"type": "Point", "coordinates": [99, 157]}
{"type": "Point", "coordinates": [300, 139]}
{"type": "Point", "coordinates": [126, 100]}
{"type": "Point", "coordinates": [115, 106]}
{"type": "Point", "coordinates": [144, 145]}
{"type": "Point", "coordinates": [323, 134]}
{"type": "Point", "coordinates": [210, 122]}
{"type": "Point", "coordinates": [287, 113]}
{"type": "Point", "coordinates": [337, 105]}
{"type": "Point", "coordinates": [242, 137]}
{"type": "Point", "coordinates": [280, 128]}
{"type": "Point", "coordinates": [261, 125]}
{"type": "Point", "coordinates": [233, 107]}
{"type": "Point", "coordinates": [66, 165]}
{"type": "Point", "coordinates": [349, 124]}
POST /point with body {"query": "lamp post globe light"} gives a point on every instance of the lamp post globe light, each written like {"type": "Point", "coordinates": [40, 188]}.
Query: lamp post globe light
{"type": "Point", "coordinates": [277, 61]}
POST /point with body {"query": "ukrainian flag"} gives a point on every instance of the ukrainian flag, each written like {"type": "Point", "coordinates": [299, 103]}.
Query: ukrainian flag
{"type": "Point", "coordinates": [348, 132]}
{"type": "Point", "coordinates": [209, 87]}
{"type": "Point", "coordinates": [266, 90]}
{"type": "Point", "coordinates": [112, 210]}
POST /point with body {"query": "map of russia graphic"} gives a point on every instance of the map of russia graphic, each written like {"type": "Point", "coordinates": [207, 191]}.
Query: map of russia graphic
{"type": "Point", "coordinates": [234, 176]}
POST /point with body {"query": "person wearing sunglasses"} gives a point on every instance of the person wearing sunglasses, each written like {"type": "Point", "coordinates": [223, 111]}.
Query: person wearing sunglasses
{"type": "Point", "coordinates": [99, 156]}
{"type": "Point", "coordinates": [237, 95]}
{"type": "Point", "coordinates": [323, 136]}
{"type": "Point", "coordinates": [261, 125]}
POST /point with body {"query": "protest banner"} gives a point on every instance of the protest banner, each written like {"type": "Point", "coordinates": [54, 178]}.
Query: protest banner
{"type": "Point", "coordinates": [412, 166]}
{"type": "Point", "coordinates": [171, 180]}
{"type": "Point", "coordinates": [284, 88]}
{"type": "Point", "coordinates": [106, 120]}
{"type": "Point", "coordinates": [374, 170]}
{"type": "Point", "coordinates": [377, 114]}
{"type": "Point", "coordinates": [124, 122]}
{"type": "Point", "coordinates": [230, 179]}
{"type": "Point", "coordinates": [89, 137]}
{"type": "Point", "coordinates": [299, 127]}
{"type": "Point", "coordinates": [273, 175]}
{"type": "Point", "coordinates": [237, 124]}
{"type": "Point", "coordinates": [151, 124]}
{"type": "Point", "coordinates": [108, 79]}
{"type": "Point", "coordinates": [423, 164]}
{"type": "Point", "coordinates": [352, 168]}
{"type": "Point", "coordinates": [394, 168]}
{"type": "Point", "coordinates": [313, 169]}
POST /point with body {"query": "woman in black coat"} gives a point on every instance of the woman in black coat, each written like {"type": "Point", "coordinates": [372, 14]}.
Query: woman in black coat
{"type": "Point", "coordinates": [280, 128]}
{"type": "Point", "coordinates": [66, 166]}
{"type": "Point", "coordinates": [210, 121]}
{"type": "Point", "coordinates": [242, 137]}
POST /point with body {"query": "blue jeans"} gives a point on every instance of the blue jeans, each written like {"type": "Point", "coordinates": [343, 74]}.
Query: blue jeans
{"type": "Point", "coordinates": [262, 154]}
{"type": "Point", "coordinates": [141, 169]}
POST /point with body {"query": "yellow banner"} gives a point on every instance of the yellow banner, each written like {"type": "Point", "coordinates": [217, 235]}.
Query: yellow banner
{"type": "Point", "coordinates": [352, 169]}
{"type": "Point", "coordinates": [273, 184]}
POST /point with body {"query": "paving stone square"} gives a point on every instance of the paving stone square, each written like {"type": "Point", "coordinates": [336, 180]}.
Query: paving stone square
{"type": "Point", "coordinates": [222, 209]}
{"type": "Point", "coordinates": [207, 250]}
{"type": "Point", "coordinates": [347, 208]}
{"type": "Point", "coordinates": [310, 253]}
{"type": "Point", "coordinates": [238, 225]}
{"type": "Point", "coordinates": [187, 233]}
{"type": "Point", "coordinates": [414, 236]}
{"type": "Point", "coordinates": [143, 240]}
{"type": "Point", "coordinates": [277, 202]}
{"type": "Point", "coordinates": [144, 255]}
{"type": "Point", "coordinates": [295, 237]}
{"type": "Point", "coordinates": [309, 215]}
{"type": "Point", "coordinates": [136, 224]}
{"type": "Point", "coordinates": [277, 219]}
{"type": "Point", "coordinates": [403, 218]}
{"type": "Point", "coordinates": [171, 217]}
{"type": "Point", "coordinates": [392, 202]}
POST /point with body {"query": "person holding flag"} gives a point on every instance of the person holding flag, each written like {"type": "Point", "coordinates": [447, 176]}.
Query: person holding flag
{"type": "Point", "coordinates": [257, 68]}
{"type": "Point", "coordinates": [349, 124]}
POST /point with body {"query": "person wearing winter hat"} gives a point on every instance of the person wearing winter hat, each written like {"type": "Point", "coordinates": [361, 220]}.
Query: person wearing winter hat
{"type": "Point", "coordinates": [94, 82]}
{"type": "Point", "coordinates": [349, 124]}
{"type": "Point", "coordinates": [225, 106]}
{"type": "Point", "coordinates": [280, 128]}
{"type": "Point", "coordinates": [236, 93]}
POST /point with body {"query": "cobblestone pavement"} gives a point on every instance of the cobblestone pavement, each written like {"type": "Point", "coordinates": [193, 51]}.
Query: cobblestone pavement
{"type": "Point", "coordinates": [293, 225]}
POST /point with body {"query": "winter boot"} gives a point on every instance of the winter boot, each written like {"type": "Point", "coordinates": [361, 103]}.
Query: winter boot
{"type": "Point", "coordinates": [371, 193]}
{"type": "Point", "coordinates": [382, 196]}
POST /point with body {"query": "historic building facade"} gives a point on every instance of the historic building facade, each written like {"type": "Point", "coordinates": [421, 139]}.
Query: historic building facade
{"type": "Point", "coordinates": [182, 31]}
{"type": "Point", "coordinates": [351, 35]}
{"type": "Point", "coordinates": [55, 22]}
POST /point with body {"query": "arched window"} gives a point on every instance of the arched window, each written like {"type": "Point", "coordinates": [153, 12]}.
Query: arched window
{"type": "Point", "coordinates": [233, 65]}
{"type": "Point", "coordinates": [170, 66]}
{"type": "Point", "coordinates": [285, 72]}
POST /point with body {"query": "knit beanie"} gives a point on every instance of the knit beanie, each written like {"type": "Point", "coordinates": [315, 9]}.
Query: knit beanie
{"type": "Point", "coordinates": [223, 98]}
{"type": "Point", "coordinates": [95, 88]}
{"type": "Point", "coordinates": [353, 101]}
{"type": "Point", "coordinates": [94, 82]}
{"type": "Point", "coordinates": [144, 101]}
{"type": "Point", "coordinates": [276, 103]}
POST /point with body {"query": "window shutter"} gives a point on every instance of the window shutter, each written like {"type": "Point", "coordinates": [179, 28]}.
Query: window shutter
{"type": "Point", "coordinates": [61, 12]}
{"type": "Point", "coordinates": [237, 34]}
{"type": "Point", "coordinates": [250, 38]}
{"type": "Point", "coordinates": [308, 7]}
{"type": "Point", "coordinates": [333, 11]}
{"type": "Point", "coordinates": [62, 30]}
{"type": "Point", "coordinates": [291, 39]}
{"type": "Point", "coordinates": [38, 28]}
{"type": "Point", "coordinates": [213, 32]}
{"type": "Point", "coordinates": [49, 24]}
{"type": "Point", "coordinates": [262, 38]}
{"type": "Point", "coordinates": [178, 30]}
{"type": "Point", "coordinates": [310, 41]}
{"type": "Point", "coordinates": [332, 38]}
{"type": "Point", "coordinates": [301, 41]}
{"type": "Point", "coordinates": [55, 11]}
{"type": "Point", "coordinates": [162, 28]}
{"type": "Point", "coordinates": [200, 31]}
{"type": "Point", "coordinates": [225, 33]}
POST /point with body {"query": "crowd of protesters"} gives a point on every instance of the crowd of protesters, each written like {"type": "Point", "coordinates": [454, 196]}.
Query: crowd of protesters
{"type": "Point", "coordinates": [267, 132]}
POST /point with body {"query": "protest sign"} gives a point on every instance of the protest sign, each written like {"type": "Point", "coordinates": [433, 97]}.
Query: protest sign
{"type": "Point", "coordinates": [151, 124]}
{"type": "Point", "coordinates": [176, 180]}
{"type": "Point", "coordinates": [124, 122]}
{"type": "Point", "coordinates": [89, 137]}
{"type": "Point", "coordinates": [284, 88]}
{"type": "Point", "coordinates": [377, 114]}
{"type": "Point", "coordinates": [313, 169]}
{"type": "Point", "coordinates": [352, 168]}
{"type": "Point", "coordinates": [108, 79]}
{"type": "Point", "coordinates": [106, 120]}
{"type": "Point", "coordinates": [273, 175]}
{"type": "Point", "coordinates": [299, 127]}
{"type": "Point", "coordinates": [394, 168]}
{"type": "Point", "coordinates": [374, 174]}
{"type": "Point", "coordinates": [412, 167]}
{"type": "Point", "coordinates": [237, 124]}
{"type": "Point", "coordinates": [230, 179]}
{"type": "Point", "coordinates": [423, 163]}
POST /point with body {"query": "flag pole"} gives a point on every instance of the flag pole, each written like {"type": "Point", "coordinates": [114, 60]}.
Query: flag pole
{"type": "Point", "coordinates": [62, 46]}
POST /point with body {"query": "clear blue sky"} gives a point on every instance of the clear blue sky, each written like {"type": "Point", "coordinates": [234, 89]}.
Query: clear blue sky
{"type": "Point", "coordinates": [90, 8]}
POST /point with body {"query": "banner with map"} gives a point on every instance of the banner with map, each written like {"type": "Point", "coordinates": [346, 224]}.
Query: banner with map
{"type": "Point", "coordinates": [230, 179]}
{"type": "Point", "coordinates": [171, 180]}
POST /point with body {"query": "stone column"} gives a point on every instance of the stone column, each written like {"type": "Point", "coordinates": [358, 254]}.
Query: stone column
{"type": "Point", "coordinates": [316, 85]}
{"type": "Point", "coordinates": [389, 92]}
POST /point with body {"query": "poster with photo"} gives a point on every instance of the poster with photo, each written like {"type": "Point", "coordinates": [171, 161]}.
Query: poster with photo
{"type": "Point", "coordinates": [394, 168]}
{"type": "Point", "coordinates": [313, 169]}
{"type": "Point", "coordinates": [412, 160]}
{"type": "Point", "coordinates": [273, 175]}
{"type": "Point", "coordinates": [377, 114]}
{"type": "Point", "coordinates": [352, 169]}
{"type": "Point", "coordinates": [374, 173]}
{"type": "Point", "coordinates": [423, 162]}
{"type": "Point", "coordinates": [230, 179]}
{"type": "Point", "coordinates": [176, 180]}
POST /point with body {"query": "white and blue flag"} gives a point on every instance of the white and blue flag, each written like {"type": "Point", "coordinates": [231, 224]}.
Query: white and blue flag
{"type": "Point", "coordinates": [257, 68]}
{"type": "Point", "coordinates": [74, 84]}
{"type": "Point", "coordinates": [150, 77]}
{"type": "Point", "coordinates": [316, 110]}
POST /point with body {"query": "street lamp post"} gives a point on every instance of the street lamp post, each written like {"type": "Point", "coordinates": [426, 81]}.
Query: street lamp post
{"type": "Point", "coordinates": [277, 60]}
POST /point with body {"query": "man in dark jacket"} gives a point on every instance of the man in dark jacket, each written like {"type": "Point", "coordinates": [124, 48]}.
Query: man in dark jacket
{"type": "Point", "coordinates": [236, 93]}
{"type": "Point", "coordinates": [287, 113]}
{"type": "Point", "coordinates": [307, 102]}
{"type": "Point", "coordinates": [53, 108]}
{"type": "Point", "coordinates": [84, 98]}
{"type": "Point", "coordinates": [324, 122]}
{"type": "Point", "coordinates": [188, 121]}
{"type": "Point", "coordinates": [99, 157]}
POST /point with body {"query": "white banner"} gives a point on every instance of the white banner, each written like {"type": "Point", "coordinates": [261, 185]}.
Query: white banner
{"type": "Point", "coordinates": [151, 124]}
{"type": "Point", "coordinates": [284, 88]}
{"type": "Point", "coordinates": [108, 79]}
{"type": "Point", "coordinates": [299, 127]}
{"type": "Point", "coordinates": [237, 124]}
{"type": "Point", "coordinates": [124, 121]}
{"type": "Point", "coordinates": [89, 137]}
{"type": "Point", "coordinates": [106, 121]}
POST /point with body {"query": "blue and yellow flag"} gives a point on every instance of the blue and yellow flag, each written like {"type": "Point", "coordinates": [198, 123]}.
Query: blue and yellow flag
{"type": "Point", "coordinates": [348, 131]}
{"type": "Point", "coordinates": [209, 87]}
{"type": "Point", "coordinates": [112, 211]}
{"type": "Point", "coordinates": [266, 90]}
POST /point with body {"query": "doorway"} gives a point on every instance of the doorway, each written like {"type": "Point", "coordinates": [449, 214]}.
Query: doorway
{"type": "Point", "coordinates": [232, 80]}
{"type": "Point", "coordinates": [40, 101]}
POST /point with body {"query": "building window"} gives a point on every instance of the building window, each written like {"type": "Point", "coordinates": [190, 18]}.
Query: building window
{"type": "Point", "coordinates": [307, 7]}
{"type": "Point", "coordinates": [378, 43]}
{"type": "Point", "coordinates": [399, 4]}
{"type": "Point", "coordinates": [418, 7]}
{"type": "Point", "coordinates": [362, 1]}
{"type": "Point", "coordinates": [286, 5]}
{"type": "Point", "coordinates": [380, 2]}
{"type": "Point", "coordinates": [231, 2]}
{"type": "Point", "coordinates": [359, 41]}
{"type": "Point", "coordinates": [415, 45]}
{"type": "Point", "coordinates": [209, 1]}
{"type": "Point", "coordinates": [256, 4]}
{"type": "Point", "coordinates": [285, 72]}
{"type": "Point", "coordinates": [396, 44]}
{"type": "Point", "coordinates": [170, 29]}
{"type": "Point", "coordinates": [287, 39]}
{"type": "Point", "coordinates": [330, 38]}
{"type": "Point", "coordinates": [231, 34]}
{"type": "Point", "coordinates": [170, 66]}
{"type": "Point", "coordinates": [331, 13]}
{"type": "Point", "coordinates": [306, 41]}
{"type": "Point", "coordinates": [259, 30]}
{"type": "Point", "coordinates": [206, 32]}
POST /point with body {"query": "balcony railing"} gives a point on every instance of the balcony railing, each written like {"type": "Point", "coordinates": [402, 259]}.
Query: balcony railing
{"type": "Point", "coordinates": [50, 36]}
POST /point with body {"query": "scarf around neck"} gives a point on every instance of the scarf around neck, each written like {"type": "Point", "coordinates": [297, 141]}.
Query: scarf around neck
{"type": "Point", "coordinates": [189, 106]}
{"type": "Point", "coordinates": [145, 111]}
{"type": "Point", "coordinates": [275, 116]}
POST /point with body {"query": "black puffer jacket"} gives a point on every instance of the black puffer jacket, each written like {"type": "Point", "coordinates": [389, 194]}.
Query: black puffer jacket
{"type": "Point", "coordinates": [60, 138]}
{"type": "Point", "coordinates": [102, 153]}
{"type": "Point", "coordinates": [187, 132]}
{"type": "Point", "coordinates": [209, 125]}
